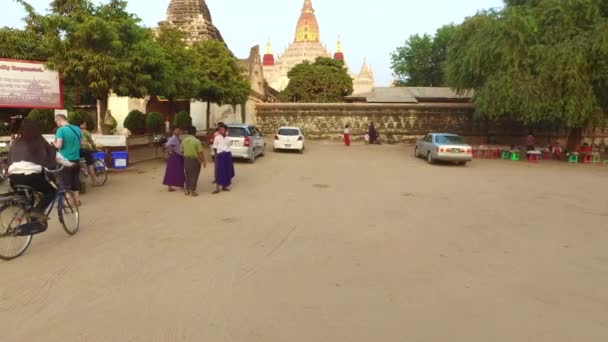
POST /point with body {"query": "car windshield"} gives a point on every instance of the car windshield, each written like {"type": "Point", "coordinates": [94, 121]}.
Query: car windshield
{"type": "Point", "coordinates": [289, 132]}
{"type": "Point", "coordinates": [449, 139]}
{"type": "Point", "coordinates": [236, 132]}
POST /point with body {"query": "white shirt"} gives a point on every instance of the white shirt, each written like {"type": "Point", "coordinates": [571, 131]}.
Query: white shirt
{"type": "Point", "coordinates": [346, 131]}
{"type": "Point", "coordinates": [27, 168]}
{"type": "Point", "coordinates": [221, 143]}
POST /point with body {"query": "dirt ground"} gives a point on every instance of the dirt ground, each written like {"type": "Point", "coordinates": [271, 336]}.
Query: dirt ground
{"type": "Point", "coordinates": [360, 244]}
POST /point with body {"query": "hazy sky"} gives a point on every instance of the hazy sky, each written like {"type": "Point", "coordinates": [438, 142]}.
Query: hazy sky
{"type": "Point", "coordinates": [369, 29]}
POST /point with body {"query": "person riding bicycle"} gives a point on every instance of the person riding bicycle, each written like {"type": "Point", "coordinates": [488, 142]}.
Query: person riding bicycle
{"type": "Point", "coordinates": [87, 149]}
{"type": "Point", "coordinates": [28, 157]}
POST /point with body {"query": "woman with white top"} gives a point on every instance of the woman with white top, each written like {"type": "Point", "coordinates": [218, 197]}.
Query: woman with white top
{"type": "Point", "coordinates": [27, 158]}
{"type": "Point", "coordinates": [224, 166]}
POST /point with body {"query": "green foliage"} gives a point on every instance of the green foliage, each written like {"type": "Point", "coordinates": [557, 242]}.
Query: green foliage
{"type": "Point", "coordinates": [420, 62]}
{"type": "Point", "coordinates": [180, 81]}
{"type": "Point", "coordinates": [542, 61]}
{"type": "Point", "coordinates": [22, 44]}
{"type": "Point", "coordinates": [324, 81]}
{"type": "Point", "coordinates": [100, 47]}
{"type": "Point", "coordinates": [135, 122]}
{"type": "Point", "coordinates": [45, 118]}
{"type": "Point", "coordinates": [219, 75]}
{"type": "Point", "coordinates": [155, 122]}
{"type": "Point", "coordinates": [78, 117]}
{"type": "Point", "coordinates": [183, 120]}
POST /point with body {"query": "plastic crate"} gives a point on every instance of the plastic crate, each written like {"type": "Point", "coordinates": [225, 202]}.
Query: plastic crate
{"type": "Point", "coordinates": [99, 156]}
{"type": "Point", "coordinates": [119, 160]}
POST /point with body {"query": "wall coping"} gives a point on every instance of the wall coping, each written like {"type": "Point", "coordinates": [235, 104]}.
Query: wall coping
{"type": "Point", "coordinates": [355, 106]}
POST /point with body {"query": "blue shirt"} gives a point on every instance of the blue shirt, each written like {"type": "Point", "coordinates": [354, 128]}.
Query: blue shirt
{"type": "Point", "coordinates": [71, 137]}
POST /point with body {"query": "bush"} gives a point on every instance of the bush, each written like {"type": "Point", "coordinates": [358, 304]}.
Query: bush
{"type": "Point", "coordinates": [77, 117]}
{"type": "Point", "coordinates": [135, 122]}
{"type": "Point", "coordinates": [45, 118]}
{"type": "Point", "coordinates": [183, 120]}
{"type": "Point", "coordinates": [155, 123]}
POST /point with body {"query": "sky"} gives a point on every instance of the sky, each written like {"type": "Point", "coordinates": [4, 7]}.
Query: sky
{"type": "Point", "coordinates": [369, 30]}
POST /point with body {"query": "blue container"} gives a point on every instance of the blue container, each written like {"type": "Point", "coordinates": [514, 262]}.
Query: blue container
{"type": "Point", "coordinates": [119, 160]}
{"type": "Point", "coordinates": [99, 156]}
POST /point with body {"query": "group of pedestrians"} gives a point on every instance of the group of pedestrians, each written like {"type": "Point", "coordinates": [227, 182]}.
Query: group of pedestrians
{"type": "Point", "coordinates": [187, 158]}
{"type": "Point", "coordinates": [371, 137]}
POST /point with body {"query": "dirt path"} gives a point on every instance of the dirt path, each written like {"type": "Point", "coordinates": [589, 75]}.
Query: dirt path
{"type": "Point", "coordinates": [366, 244]}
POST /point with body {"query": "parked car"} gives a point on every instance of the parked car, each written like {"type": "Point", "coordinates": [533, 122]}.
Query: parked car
{"type": "Point", "coordinates": [289, 138]}
{"type": "Point", "coordinates": [444, 147]}
{"type": "Point", "coordinates": [246, 142]}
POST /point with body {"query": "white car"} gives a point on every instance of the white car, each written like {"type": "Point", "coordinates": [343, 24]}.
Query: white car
{"type": "Point", "coordinates": [289, 138]}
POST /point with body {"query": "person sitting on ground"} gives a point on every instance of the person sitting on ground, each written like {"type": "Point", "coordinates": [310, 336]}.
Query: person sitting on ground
{"type": "Point", "coordinates": [585, 149]}
{"type": "Point", "coordinates": [87, 149]}
{"type": "Point", "coordinates": [28, 157]}
{"type": "Point", "coordinates": [557, 151]}
{"type": "Point", "coordinates": [530, 142]}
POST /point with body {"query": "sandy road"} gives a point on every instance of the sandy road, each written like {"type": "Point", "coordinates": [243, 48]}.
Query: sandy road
{"type": "Point", "coordinates": [365, 244]}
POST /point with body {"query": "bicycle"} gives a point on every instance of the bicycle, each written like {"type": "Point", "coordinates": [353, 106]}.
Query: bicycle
{"type": "Point", "coordinates": [15, 209]}
{"type": "Point", "coordinates": [101, 176]}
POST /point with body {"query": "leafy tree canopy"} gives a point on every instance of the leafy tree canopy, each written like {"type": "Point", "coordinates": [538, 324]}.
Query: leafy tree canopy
{"type": "Point", "coordinates": [100, 47]}
{"type": "Point", "coordinates": [419, 63]}
{"type": "Point", "coordinates": [324, 81]}
{"type": "Point", "coordinates": [542, 61]}
{"type": "Point", "coordinates": [220, 78]}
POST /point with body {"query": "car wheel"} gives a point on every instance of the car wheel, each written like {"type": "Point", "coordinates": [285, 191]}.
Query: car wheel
{"type": "Point", "coordinates": [462, 163]}
{"type": "Point", "coordinates": [429, 158]}
{"type": "Point", "coordinates": [416, 155]}
{"type": "Point", "coordinates": [251, 159]}
{"type": "Point", "coordinates": [263, 151]}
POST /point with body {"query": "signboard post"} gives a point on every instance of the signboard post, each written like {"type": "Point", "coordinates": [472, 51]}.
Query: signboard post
{"type": "Point", "coordinates": [27, 84]}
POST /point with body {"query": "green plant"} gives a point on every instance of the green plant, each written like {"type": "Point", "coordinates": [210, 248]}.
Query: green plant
{"type": "Point", "coordinates": [78, 117]}
{"type": "Point", "coordinates": [45, 118]}
{"type": "Point", "coordinates": [135, 122]}
{"type": "Point", "coordinates": [155, 122]}
{"type": "Point", "coordinates": [183, 120]}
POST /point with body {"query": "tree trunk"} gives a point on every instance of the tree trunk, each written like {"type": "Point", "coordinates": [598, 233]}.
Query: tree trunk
{"type": "Point", "coordinates": [243, 114]}
{"type": "Point", "coordinates": [208, 115]}
{"type": "Point", "coordinates": [103, 109]}
{"type": "Point", "coordinates": [574, 139]}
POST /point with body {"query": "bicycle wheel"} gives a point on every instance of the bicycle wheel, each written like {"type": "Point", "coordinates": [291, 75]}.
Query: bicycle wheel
{"type": "Point", "coordinates": [68, 213]}
{"type": "Point", "coordinates": [100, 172]}
{"type": "Point", "coordinates": [12, 246]}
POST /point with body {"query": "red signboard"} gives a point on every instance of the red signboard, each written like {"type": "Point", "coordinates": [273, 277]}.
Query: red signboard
{"type": "Point", "coordinates": [28, 84]}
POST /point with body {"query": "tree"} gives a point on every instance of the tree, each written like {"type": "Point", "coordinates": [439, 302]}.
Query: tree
{"type": "Point", "coordinates": [324, 81]}
{"type": "Point", "coordinates": [420, 61]}
{"type": "Point", "coordinates": [219, 76]}
{"type": "Point", "coordinates": [101, 48]}
{"type": "Point", "coordinates": [180, 81]}
{"type": "Point", "coordinates": [537, 62]}
{"type": "Point", "coordinates": [78, 117]}
{"type": "Point", "coordinates": [22, 44]}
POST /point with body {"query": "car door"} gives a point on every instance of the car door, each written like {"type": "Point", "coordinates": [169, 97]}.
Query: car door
{"type": "Point", "coordinates": [424, 149]}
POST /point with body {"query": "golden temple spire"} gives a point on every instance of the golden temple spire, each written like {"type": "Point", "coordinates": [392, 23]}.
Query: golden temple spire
{"type": "Point", "coordinates": [307, 29]}
{"type": "Point", "coordinates": [268, 47]}
{"type": "Point", "coordinates": [339, 45]}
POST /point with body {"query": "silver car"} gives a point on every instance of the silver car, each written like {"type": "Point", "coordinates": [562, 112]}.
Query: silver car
{"type": "Point", "coordinates": [246, 142]}
{"type": "Point", "coordinates": [444, 147]}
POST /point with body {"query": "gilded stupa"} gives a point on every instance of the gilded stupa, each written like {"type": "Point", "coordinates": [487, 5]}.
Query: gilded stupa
{"type": "Point", "coordinates": [306, 46]}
